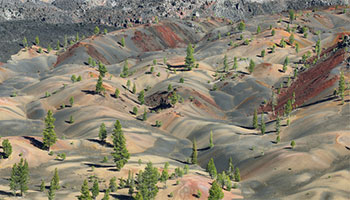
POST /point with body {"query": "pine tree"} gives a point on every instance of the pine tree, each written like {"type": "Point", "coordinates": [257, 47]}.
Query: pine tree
{"type": "Point", "coordinates": [134, 110]}
{"type": "Point", "coordinates": [25, 42]}
{"type": "Point", "coordinates": [174, 98]}
{"type": "Point", "coordinates": [273, 32]}
{"type": "Point", "coordinates": [263, 52]}
{"type": "Point", "coordinates": [71, 119]}
{"type": "Point", "coordinates": [341, 87]}
{"type": "Point", "coordinates": [225, 63]}
{"type": "Point", "coordinates": [19, 177]}
{"type": "Point", "coordinates": [42, 186]}
{"type": "Point", "coordinates": [52, 191]}
{"type": "Point", "coordinates": [273, 49]}
{"type": "Point", "coordinates": [148, 185]}
{"type": "Point", "coordinates": [113, 184]}
{"type": "Point", "coordinates": [96, 30]}
{"type": "Point", "coordinates": [99, 85]}
{"type": "Point", "coordinates": [237, 175]}
{"type": "Point", "coordinates": [255, 120]}
{"type": "Point", "coordinates": [102, 69]}
{"type": "Point", "coordinates": [251, 66]}
{"type": "Point", "coordinates": [49, 48]}
{"type": "Point", "coordinates": [231, 169]}
{"type": "Point", "coordinates": [116, 93]}
{"type": "Point", "coordinates": [71, 101]}
{"type": "Point", "coordinates": [55, 180]}
{"type": "Point", "coordinates": [283, 43]}
{"type": "Point", "coordinates": [77, 37]}
{"type": "Point", "coordinates": [95, 190]}
{"type": "Point", "coordinates": [102, 134]}
{"type": "Point", "coordinates": [165, 174]}
{"type": "Point", "coordinates": [258, 30]}
{"type": "Point", "coordinates": [278, 125]}
{"type": "Point", "coordinates": [144, 115]}
{"type": "Point", "coordinates": [211, 169]}
{"type": "Point", "coordinates": [7, 148]}
{"type": "Point", "coordinates": [49, 132]}
{"type": "Point", "coordinates": [120, 154]}
{"type": "Point", "coordinates": [278, 139]}
{"type": "Point", "coordinates": [292, 144]}
{"type": "Point", "coordinates": [73, 78]}
{"type": "Point", "coordinates": [123, 42]}
{"type": "Point", "coordinates": [215, 192]}
{"type": "Point", "coordinates": [85, 193]}
{"type": "Point", "coordinates": [138, 196]}
{"type": "Point", "coordinates": [211, 143]}
{"type": "Point", "coordinates": [189, 60]}
{"type": "Point", "coordinates": [106, 195]}
{"type": "Point", "coordinates": [291, 16]}
{"type": "Point", "coordinates": [194, 153]}
{"type": "Point", "coordinates": [297, 48]}
{"type": "Point", "coordinates": [134, 89]}
{"type": "Point", "coordinates": [65, 41]}
{"type": "Point", "coordinates": [58, 45]}
{"type": "Point", "coordinates": [291, 39]}
{"type": "Point", "coordinates": [288, 107]}
{"type": "Point", "coordinates": [170, 88]}
{"type": "Point", "coordinates": [89, 60]}
{"type": "Point", "coordinates": [125, 71]}
{"type": "Point", "coordinates": [241, 26]}
{"type": "Point", "coordinates": [262, 126]}
{"type": "Point", "coordinates": [37, 41]}
{"type": "Point", "coordinates": [235, 64]}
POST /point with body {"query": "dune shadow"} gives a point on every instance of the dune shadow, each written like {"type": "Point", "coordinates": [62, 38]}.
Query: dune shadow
{"type": "Point", "coordinates": [106, 144]}
{"type": "Point", "coordinates": [34, 142]}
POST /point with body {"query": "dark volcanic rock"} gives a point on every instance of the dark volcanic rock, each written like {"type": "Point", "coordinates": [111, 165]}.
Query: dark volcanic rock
{"type": "Point", "coordinates": [53, 19]}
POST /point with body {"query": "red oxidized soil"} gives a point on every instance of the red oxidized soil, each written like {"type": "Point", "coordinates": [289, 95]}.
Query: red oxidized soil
{"type": "Point", "coordinates": [66, 54]}
{"type": "Point", "coordinates": [311, 82]}
{"type": "Point", "coordinates": [144, 42]}
{"type": "Point", "coordinates": [91, 50]}
{"type": "Point", "coordinates": [168, 36]}
{"type": "Point", "coordinates": [165, 33]}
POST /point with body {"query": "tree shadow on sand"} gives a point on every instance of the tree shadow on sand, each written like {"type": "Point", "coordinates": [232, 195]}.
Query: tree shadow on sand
{"type": "Point", "coordinates": [2, 192]}
{"type": "Point", "coordinates": [99, 165]}
{"type": "Point", "coordinates": [106, 144]}
{"type": "Point", "coordinates": [121, 197]}
{"type": "Point", "coordinates": [34, 142]}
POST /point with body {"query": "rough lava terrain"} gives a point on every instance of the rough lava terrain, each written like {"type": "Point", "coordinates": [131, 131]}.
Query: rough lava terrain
{"type": "Point", "coordinates": [316, 168]}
